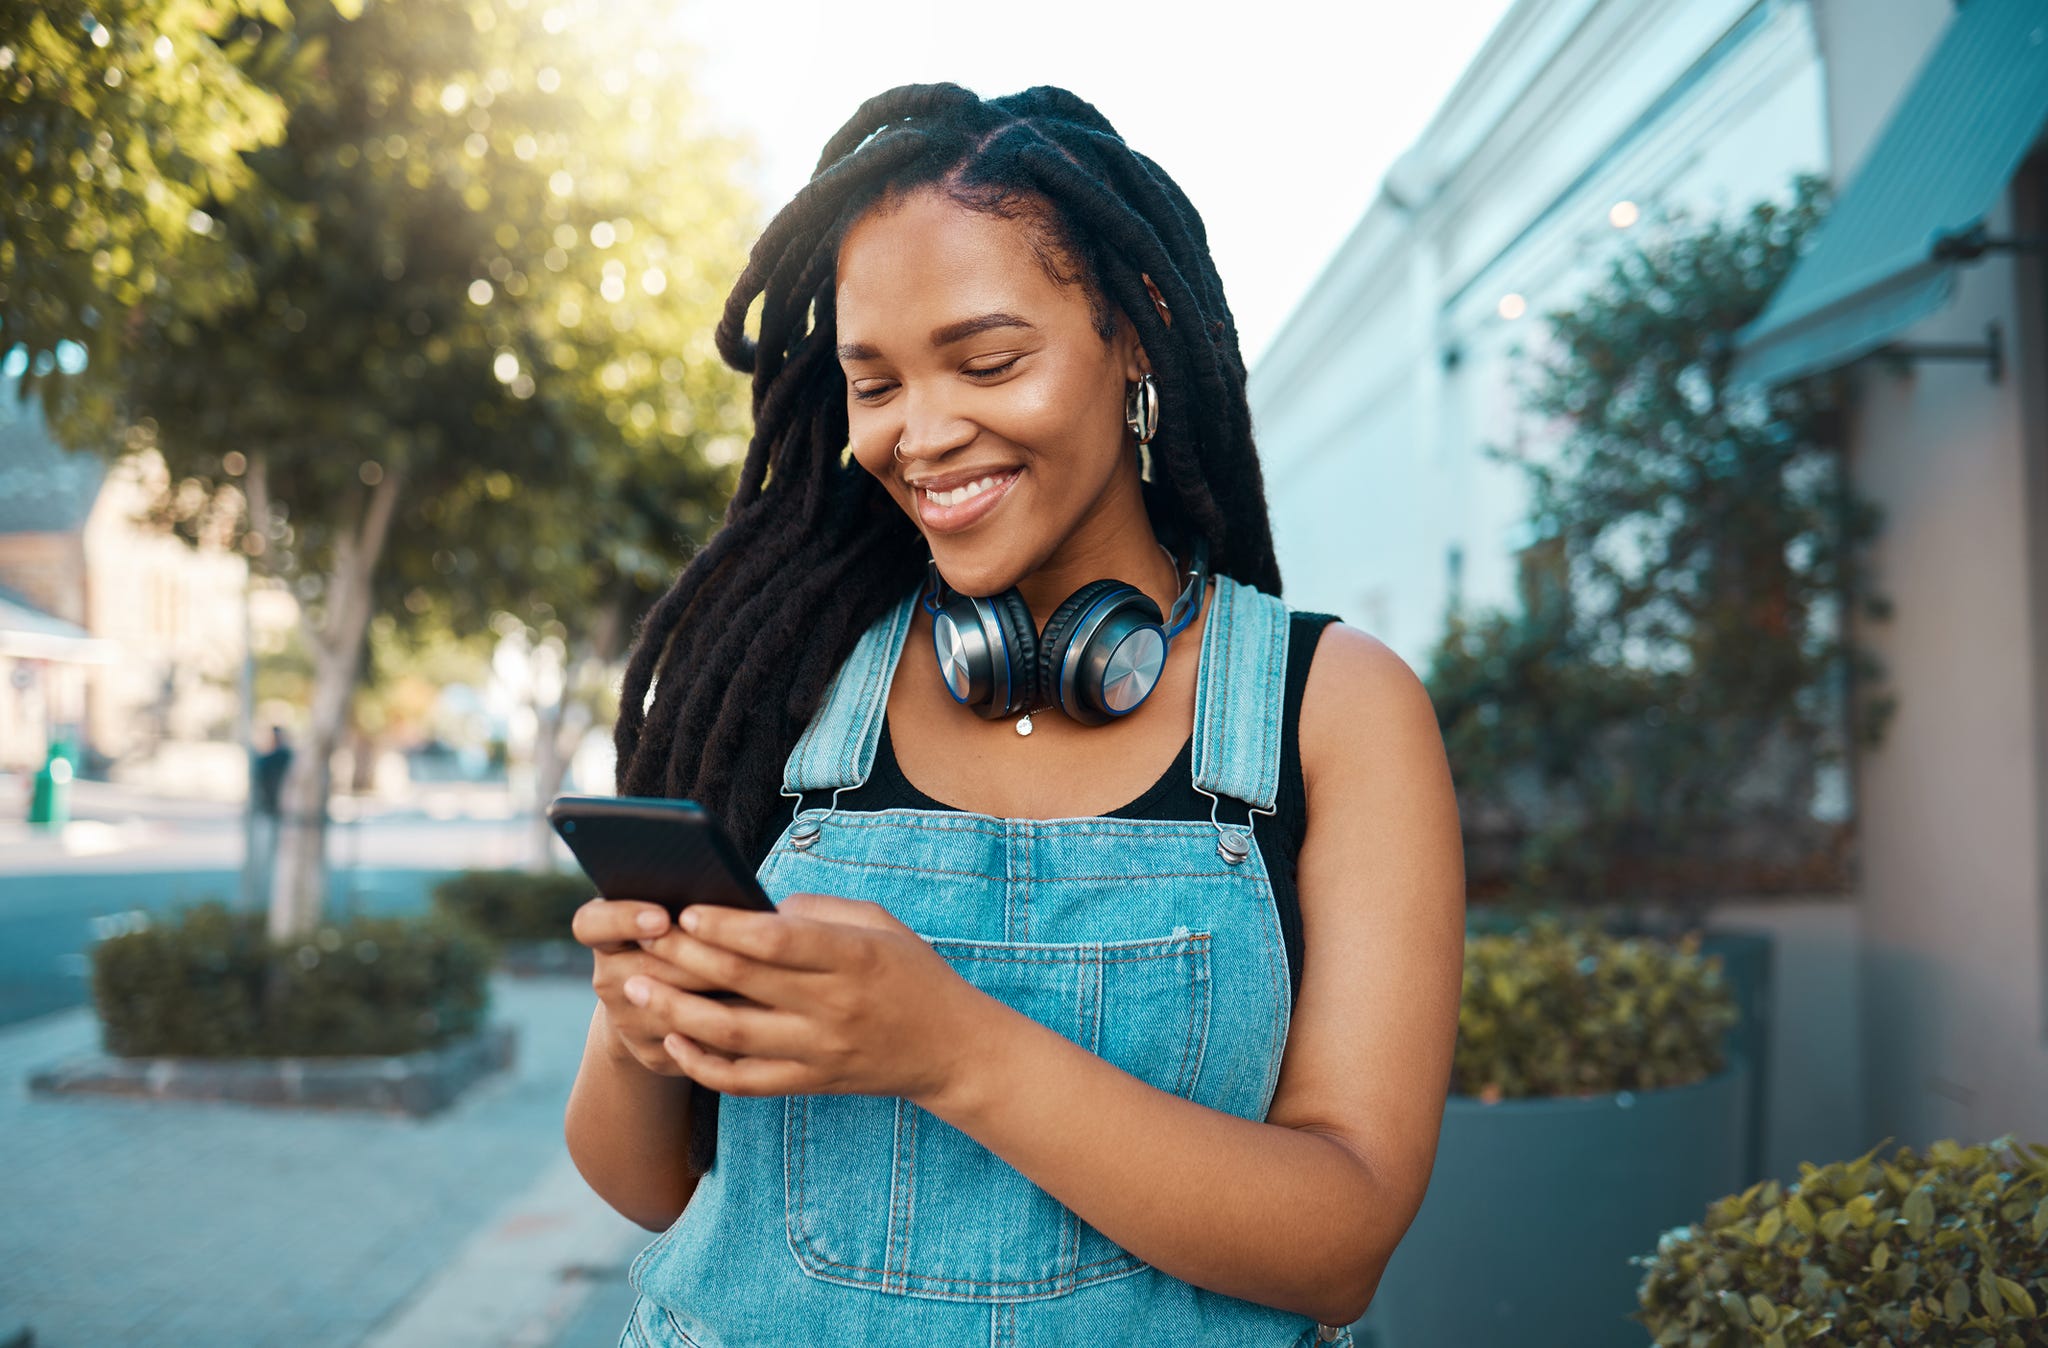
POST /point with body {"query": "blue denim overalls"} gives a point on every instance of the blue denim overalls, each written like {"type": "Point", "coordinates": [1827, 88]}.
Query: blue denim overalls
{"type": "Point", "coordinates": [868, 1222]}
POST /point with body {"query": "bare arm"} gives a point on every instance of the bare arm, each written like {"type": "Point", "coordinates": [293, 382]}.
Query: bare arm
{"type": "Point", "coordinates": [628, 1130]}
{"type": "Point", "coordinates": [628, 1120]}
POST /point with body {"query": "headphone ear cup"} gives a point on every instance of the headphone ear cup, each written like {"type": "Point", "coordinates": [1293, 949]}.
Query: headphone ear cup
{"type": "Point", "coordinates": [1059, 629]}
{"type": "Point", "coordinates": [1013, 615]}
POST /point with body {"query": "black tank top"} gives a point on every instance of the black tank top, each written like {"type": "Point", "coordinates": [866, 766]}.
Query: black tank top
{"type": "Point", "coordinates": [1174, 796]}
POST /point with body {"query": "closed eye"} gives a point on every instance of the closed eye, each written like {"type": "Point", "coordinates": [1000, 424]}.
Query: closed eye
{"type": "Point", "coordinates": [876, 392]}
{"type": "Point", "coordinates": [1004, 368]}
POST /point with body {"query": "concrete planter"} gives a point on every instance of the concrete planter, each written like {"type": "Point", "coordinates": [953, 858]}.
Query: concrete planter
{"type": "Point", "coordinates": [418, 1084]}
{"type": "Point", "coordinates": [1535, 1206]}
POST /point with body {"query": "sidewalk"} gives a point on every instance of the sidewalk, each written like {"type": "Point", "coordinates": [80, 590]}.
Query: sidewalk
{"type": "Point", "coordinates": [168, 1225]}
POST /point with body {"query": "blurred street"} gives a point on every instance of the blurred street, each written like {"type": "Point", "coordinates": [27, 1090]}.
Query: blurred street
{"type": "Point", "coordinates": [240, 1225]}
{"type": "Point", "coordinates": [125, 851]}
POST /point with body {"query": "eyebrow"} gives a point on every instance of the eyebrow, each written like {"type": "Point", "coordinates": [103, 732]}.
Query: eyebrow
{"type": "Point", "coordinates": [944, 336]}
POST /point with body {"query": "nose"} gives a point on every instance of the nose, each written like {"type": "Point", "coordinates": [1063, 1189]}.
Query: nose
{"type": "Point", "coordinates": [931, 429]}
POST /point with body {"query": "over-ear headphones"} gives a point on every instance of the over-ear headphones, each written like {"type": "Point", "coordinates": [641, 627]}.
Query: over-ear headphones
{"type": "Point", "coordinates": [1099, 657]}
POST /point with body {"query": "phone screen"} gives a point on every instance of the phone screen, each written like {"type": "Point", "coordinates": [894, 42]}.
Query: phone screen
{"type": "Point", "coordinates": [656, 850]}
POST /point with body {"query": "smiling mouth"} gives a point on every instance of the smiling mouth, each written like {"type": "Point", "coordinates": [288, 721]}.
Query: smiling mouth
{"type": "Point", "coordinates": [967, 492]}
{"type": "Point", "coordinates": [950, 511]}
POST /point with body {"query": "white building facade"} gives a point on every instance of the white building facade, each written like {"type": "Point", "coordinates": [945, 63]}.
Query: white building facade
{"type": "Point", "coordinates": [1916, 1007]}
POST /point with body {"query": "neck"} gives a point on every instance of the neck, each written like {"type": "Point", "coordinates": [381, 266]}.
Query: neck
{"type": "Point", "coordinates": [1120, 546]}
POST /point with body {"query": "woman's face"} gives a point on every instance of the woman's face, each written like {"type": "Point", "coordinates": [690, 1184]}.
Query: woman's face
{"type": "Point", "coordinates": [956, 343]}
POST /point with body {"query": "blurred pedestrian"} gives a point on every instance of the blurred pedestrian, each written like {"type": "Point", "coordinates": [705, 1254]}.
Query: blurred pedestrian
{"type": "Point", "coordinates": [266, 792]}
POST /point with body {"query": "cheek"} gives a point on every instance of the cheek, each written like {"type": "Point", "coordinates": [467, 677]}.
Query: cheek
{"type": "Point", "coordinates": [1068, 418]}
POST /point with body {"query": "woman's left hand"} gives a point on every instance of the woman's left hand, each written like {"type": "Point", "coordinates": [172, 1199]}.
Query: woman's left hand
{"type": "Point", "coordinates": [842, 998]}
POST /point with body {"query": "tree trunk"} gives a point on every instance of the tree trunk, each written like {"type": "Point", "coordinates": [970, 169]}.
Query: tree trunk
{"type": "Point", "coordinates": [562, 726]}
{"type": "Point", "coordinates": [300, 889]}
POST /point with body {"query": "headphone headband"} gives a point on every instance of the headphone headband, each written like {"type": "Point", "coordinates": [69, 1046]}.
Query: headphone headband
{"type": "Point", "coordinates": [1184, 605]}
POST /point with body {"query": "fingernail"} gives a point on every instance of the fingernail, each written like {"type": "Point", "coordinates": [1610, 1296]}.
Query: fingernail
{"type": "Point", "coordinates": [653, 921]}
{"type": "Point", "coordinates": [689, 919]}
{"type": "Point", "coordinates": [636, 991]}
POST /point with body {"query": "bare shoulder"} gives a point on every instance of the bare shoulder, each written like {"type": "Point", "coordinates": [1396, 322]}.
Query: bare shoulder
{"type": "Point", "coordinates": [1362, 703]}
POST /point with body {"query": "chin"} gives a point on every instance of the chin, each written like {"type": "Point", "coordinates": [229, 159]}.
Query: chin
{"type": "Point", "coordinates": [982, 567]}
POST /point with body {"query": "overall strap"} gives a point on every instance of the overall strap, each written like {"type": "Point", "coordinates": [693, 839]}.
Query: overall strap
{"type": "Point", "coordinates": [1240, 696]}
{"type": "Point", "coordinates": [837, 749]}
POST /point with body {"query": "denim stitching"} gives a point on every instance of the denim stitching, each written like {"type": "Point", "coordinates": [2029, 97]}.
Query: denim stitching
{"type": "Point", "coordinates": [1278, 991]}
{"type": "Point", "coordinates": [875, 696]}
{"type": "Point", "coordinates": [864, 679]}
{"type": "Point", "coordinates": [675, 1327]}
{"type": "Point", "coordinates": [850, 863]}
{"type": "Point", "coordinates": [906, 1121]}
{"type": "Point", "coordinates": [640, 1261]}
{"type": "Point", "coordinates": [630, 1336]}
{"type": "Point", "coordinates": [960, 821]}
{"type": "Point", "coordinates": [1252, 773]}
{"type": "Point", "coordinates": [1217, 669]}
{"type": "Point", "coordinates": [1085, 952]}
{"type": "Point", "coordinates": [1198, 1029]}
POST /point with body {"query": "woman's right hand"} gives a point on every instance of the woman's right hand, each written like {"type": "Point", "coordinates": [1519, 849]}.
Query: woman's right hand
{"type": "Point", "coordinates": [620, 934]}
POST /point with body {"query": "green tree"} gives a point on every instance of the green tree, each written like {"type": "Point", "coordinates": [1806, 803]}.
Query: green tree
{"type": "Point", "coordinates": [516, 225]}
{"type": "Point", "coordinates": [121, 123]}
{"type": "Point", "coordinates": [1652, 722]}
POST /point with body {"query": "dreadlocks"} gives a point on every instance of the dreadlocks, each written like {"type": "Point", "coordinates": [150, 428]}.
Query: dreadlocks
{"type": "Point", "coordinates": [813, 550]}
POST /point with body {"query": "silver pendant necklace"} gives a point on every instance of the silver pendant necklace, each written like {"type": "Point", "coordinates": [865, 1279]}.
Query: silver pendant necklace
{"type": "Point", "coordinates": [1024, 724]}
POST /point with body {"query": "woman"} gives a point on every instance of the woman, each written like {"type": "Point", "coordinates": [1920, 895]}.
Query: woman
{"type": "Point", "coordinates": [1052, 1046]}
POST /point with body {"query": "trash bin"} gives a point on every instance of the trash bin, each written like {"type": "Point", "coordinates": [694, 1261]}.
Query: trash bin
{"type": "Point", "coordinates": [49, 800]}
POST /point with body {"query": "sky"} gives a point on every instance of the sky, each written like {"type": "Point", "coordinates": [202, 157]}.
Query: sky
{"type": "Point", "coordinates": [1276, 117]}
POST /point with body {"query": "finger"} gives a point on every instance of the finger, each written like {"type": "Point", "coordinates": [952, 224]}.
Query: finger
{"type": "Point", "coordinates": [738, 1029]}
{"type": "Point", "coordinates": [629, 962]}
{"type": "Point", "coordinates": [742, 1076]}
{"type": "Point", "coordinates": [617, 922]}
{"type": "Point", "coordinates": [778, 938]}
{"type": "Point", "coordinates": [728, 969]}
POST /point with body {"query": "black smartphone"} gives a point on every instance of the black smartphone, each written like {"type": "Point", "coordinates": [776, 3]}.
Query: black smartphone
{"type": "Point", "coordinates": [656, 850]}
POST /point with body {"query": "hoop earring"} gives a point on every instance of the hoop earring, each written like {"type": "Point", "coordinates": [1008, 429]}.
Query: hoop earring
{"type": "Point", "coordinates": [1141, 408]}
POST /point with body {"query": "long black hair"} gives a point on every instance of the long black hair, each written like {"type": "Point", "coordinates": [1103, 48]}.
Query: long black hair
{"type": "Point", "coordinates": [813, 550]}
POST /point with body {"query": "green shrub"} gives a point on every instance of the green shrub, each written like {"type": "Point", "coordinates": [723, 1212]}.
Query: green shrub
{"type": "Point", "coordinates": [515, 905]}
{"type": "Point", "coordinates": [1552, 1009]}
{"type": "Point", "coordinates": [195, 987]}
{"type": "Point", "coordinates": [1949, 1248]}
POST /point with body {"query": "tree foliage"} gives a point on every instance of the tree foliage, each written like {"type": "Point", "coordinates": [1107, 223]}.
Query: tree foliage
{"type": "Point", "coordinates": [1651, 724]}
{"type": "Point", "coordinates": [120, 124]}
{"type": "Point", "coordinates": [471, 363]}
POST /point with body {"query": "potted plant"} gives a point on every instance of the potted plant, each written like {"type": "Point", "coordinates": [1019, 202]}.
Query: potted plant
{"type": "Point", "coordinates": [1947, 1246]}
{"type": "Point", "coordinates": [1593, 1104]}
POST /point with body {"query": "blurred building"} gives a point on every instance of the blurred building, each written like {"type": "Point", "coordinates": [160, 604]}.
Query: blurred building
{"type": "Point", "coordinates": [1916, 1007]}
{"type": "Point", "coordinates": [112, 631]}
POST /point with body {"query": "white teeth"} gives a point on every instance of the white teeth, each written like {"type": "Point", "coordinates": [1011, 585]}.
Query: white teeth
{"type": "Point", "coordinates": [964, 493]}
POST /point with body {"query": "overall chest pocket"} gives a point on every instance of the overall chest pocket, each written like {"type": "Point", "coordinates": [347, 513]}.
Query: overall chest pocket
{"type": "Point", "coordinates": [883, 1194]}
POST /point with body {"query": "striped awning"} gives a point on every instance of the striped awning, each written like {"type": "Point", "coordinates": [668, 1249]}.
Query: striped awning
{"type": "Point", "coordinates": [1885, 257]}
